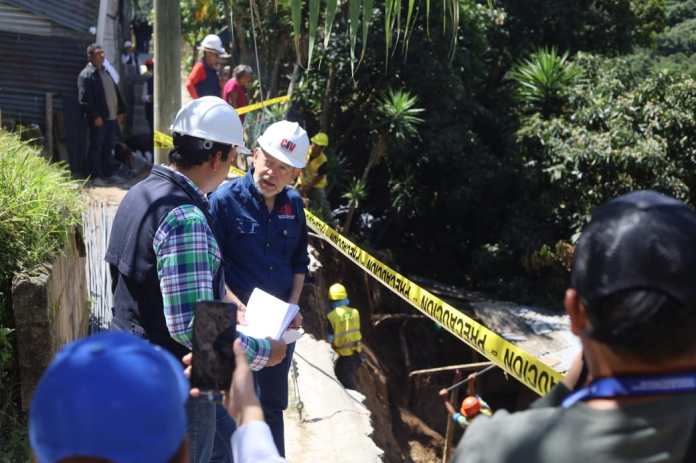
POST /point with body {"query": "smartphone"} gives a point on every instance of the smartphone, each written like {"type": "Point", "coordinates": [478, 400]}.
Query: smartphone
{"type": "Point", "coordinates": [214, 332]}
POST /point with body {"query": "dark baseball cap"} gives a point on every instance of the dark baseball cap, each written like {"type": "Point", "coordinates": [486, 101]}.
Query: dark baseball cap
{"type": "Point", "coordinates": [642, 240]}
{"type": "Point", "coordinates": [111, 396]}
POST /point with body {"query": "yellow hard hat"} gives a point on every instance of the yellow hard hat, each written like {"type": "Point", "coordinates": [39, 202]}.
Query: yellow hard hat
{"type": "Point", "coordinates": [321, 139]}
{"type": "Point", "coordinates": [337, 292]}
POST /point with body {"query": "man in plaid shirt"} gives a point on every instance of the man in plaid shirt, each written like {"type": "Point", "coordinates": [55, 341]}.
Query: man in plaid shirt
{"type": "Point", "coordinates": [164, 257]}
{"type": "Point", "coordinates": [188, 256]}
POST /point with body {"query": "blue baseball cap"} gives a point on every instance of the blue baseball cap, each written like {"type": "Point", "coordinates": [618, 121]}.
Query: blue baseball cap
{"type": "Point", "coordinates": [112, 396]}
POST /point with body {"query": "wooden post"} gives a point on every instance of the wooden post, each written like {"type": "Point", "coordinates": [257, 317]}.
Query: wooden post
{"type": "Point", "coordinates": [48, 136]}
{"type": "Point", "coordinates": [167, 68]}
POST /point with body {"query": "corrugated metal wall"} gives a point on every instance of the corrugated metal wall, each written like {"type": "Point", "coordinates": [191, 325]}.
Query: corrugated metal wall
{"type": "Point", "coordinates": [13, 19]}
{"type": "Point", "coordinates": [78, 15]}
{"type": "Point", "coordinates": [32, 65]}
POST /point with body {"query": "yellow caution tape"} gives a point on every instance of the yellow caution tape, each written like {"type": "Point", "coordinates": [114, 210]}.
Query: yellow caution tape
{"type": "Point", "coordinates": [263, 104]}
{"type": "Point", "coordinates": [517, 362]}
{"type": "Point", "coordinates": [162, 140]}
{"type": "Point", "coordinates": [520, 364]}
{"type": "Point", "coordinates": [238, 172]}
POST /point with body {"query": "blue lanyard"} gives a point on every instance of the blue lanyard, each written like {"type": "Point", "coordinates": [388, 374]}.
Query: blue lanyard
{"type": "Point", "coordinates": [634, 386]}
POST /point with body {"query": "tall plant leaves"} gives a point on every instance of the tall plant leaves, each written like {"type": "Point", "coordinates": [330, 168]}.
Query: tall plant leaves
{"type": "Point", "coordinates": [409, 22]}
{"type": "Point", "coordinates": [313, 23]}
{"type": "Point", "coordinates": [388, 25]}
{"type": "Point", "coordinates": [427, 16]}
{"type": "Point", "coordinates": [455, 27]}
{"type": "Point", "coordinates": [331, 7]}
{"type": "Point", "coordinates": [368, 11]}
{"type": "Point", "coordinates": [296, 16]}
{"type": "Point", "coordinates": [354, 19]}
{"type": "Point", "coordinates": [393, 30]}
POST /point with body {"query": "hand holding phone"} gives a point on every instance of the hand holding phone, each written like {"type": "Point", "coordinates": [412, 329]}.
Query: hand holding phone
{"type": "Point", "coordinates": [214, 333]}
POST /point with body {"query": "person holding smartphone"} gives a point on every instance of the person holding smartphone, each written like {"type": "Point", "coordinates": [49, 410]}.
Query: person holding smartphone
{"type": "Point", "coordinates": [164, 256]}
{"type": "Point", "coordinates": [632, 303]}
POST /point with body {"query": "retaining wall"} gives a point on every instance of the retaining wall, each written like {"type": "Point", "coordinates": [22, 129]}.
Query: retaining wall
{"type": "Point", "coordinates": [51, 308]}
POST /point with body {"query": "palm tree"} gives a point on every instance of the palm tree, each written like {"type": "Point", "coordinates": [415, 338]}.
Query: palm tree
{"type": "Point", "coordinates": [397, 120]}
{"type": "Point", "coordinates": [543, 79]}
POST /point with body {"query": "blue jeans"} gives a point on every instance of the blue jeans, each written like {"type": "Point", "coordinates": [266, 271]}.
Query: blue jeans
{"type": "Point", "coordinates": [272, 390]}
{"type": "Point", "coordinates": [210, 429]}
{"type": "Point", "coordinates": [101, 146]}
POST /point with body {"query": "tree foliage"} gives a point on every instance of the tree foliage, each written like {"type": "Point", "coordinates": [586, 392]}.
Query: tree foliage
{"type": "Point", "coordinates": [543, 80]}
{"type": "Point", "coordinates": [536, 116]}
{"type": "Point", "coordinates": [618, 134]}
{"type": "Point", "coordinates": [533, 113]}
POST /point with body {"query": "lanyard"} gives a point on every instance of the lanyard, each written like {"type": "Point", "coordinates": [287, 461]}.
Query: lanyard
{"type": "Point", "coordinates": [634, 386]}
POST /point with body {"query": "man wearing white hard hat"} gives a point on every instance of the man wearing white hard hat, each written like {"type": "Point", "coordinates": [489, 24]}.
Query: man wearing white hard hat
{"type": "Point", "coordinates": [164, 256]}
{"type": "Point", "coordinates": [204, 79]}
{"type": "Point", "coordinates": [265, 243]}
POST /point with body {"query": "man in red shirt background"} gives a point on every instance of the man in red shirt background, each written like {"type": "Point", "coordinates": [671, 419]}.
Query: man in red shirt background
{"type": "Point", "coordinates": [235, 91]}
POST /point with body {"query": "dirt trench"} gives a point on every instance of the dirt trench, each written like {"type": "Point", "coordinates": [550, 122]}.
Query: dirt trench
{"type": "Point", "coordinates": [408, 416]}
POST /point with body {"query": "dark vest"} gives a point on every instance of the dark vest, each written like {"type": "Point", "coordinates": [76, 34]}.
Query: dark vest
{"type": "Point", "coordinates": [211, 85]}
{"type": "Point", "coordinates": [138, 306]}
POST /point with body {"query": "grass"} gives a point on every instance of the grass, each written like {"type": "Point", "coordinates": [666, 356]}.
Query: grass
{"type": "Point", "coordinates": [39, 206]}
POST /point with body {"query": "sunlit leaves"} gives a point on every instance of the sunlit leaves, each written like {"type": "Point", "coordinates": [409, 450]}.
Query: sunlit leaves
{"type": "Point", "coordinates": [543, 78]}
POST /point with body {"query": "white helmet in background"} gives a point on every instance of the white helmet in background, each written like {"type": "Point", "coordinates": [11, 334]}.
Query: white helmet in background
{"type": "Point", "coordinates": [210, 118]}
{"type": "Point", "coordinates": [212, 42]}
{"type": "Point", "coordinates": [287, 142]}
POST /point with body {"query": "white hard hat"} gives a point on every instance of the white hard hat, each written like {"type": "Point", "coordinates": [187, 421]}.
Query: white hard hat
{"type": "Point", "coordinates": [213, 43]}
{"type": "Point", "coordinates": [210, 118]}
{"type": "Point", "coordinates": [287, 142]}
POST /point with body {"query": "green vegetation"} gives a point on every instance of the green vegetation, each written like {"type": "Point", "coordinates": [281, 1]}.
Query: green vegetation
{"type": "Point", "coordinates": [543, 110]}
{"type": "Point", "coordinates": [39, 205]}
{"type": "Point", "coordinates": [532, 114]}
{"type": "Point", "coordinates": [542, 80]}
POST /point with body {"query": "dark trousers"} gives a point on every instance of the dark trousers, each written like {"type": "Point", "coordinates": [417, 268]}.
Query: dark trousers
{"type": "Point", "coordinates": [345, 369]}
{"type": "Point", "coordinates": [149, 115]}
{"type": "Point", "coordinates": [209, 429]}
{"type": "Point", "coordinates": [272, 389]}
{"type": "Point", "coordinates": [101, 146]}
{"type": "Point", "coordinates": [129, 96]}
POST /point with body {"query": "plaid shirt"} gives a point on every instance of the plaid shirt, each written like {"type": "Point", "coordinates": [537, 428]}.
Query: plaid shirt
{"type": "Point", "coordinates": [188, 256]}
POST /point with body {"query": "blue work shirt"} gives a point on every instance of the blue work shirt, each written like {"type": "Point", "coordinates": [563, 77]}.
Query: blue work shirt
{"type": "Point", "coordinates": [260, 248]}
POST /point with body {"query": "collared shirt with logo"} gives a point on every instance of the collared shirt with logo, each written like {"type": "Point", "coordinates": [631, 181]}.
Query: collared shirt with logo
{"type": "Point", "coordinates": [260, 248]}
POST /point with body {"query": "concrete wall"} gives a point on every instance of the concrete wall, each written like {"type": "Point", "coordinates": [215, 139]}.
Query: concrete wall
{"type": "Point", "coordinates": [51, 308]}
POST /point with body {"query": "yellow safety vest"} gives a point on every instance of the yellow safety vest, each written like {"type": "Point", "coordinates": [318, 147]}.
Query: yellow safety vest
{"type": "Point", "coordinates": [311, 171]}
{"type": "Point", "coordinates": [345, 322]}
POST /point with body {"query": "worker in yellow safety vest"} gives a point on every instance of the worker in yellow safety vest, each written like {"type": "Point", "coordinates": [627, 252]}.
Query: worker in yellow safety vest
{"type": "Point", "coordinates": [344, 335]}
{"type": "Point", "coordinates": [313, 180]}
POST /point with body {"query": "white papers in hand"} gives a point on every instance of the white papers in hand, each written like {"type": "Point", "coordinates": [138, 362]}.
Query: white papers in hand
{"type": "Point", "coordinates": [267, 316]}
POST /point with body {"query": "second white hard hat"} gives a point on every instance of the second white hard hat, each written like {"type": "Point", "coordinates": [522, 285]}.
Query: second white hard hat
{"type": "Point", "coordinates": [210, 118]}
{"type": "Point", "coordinates": [212, 42]}
{"type": "Point", "coordinates": [287, 142]}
